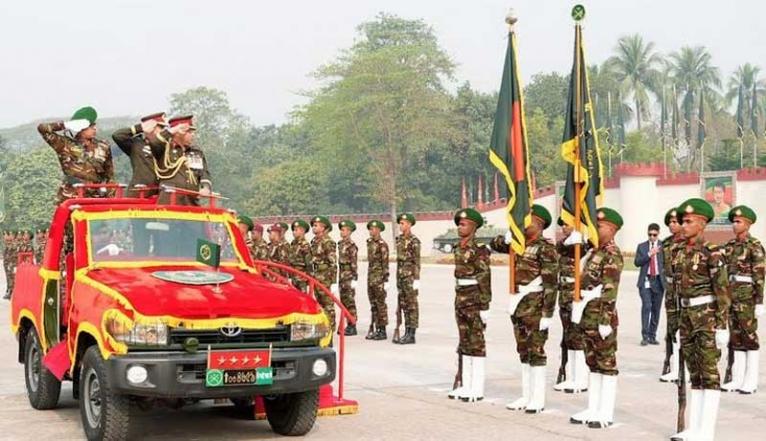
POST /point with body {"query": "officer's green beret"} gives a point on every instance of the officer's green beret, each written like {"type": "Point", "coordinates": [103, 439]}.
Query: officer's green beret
{"type": "Point", "coordinates": [609, 215]}
{"type": "Point", "coordinates": [672, 213]}
{"type": "Point", "coordinates": [347, 223]}
{"type": "Point", "coordinates": [409, 217]}
{"type": "Point", "coordinates": [322, 220]}
{"type": "Point", "coordinates": [470, 214]}
{"type": "Point", "coordinates": [284, 226]}
{"type": "Point", "coordinates": [742, 211]}
{"type": "Point", "coordinates": [542, 213]}
{"type": "Point", "coordinates": [300, 223]}
{"type": "Point", "coordinates": [87, 112]}
{"type": "Point", "coordinates": [696, 206]}
{"type": "Point", "coordinates": [242, 219]}
{"type": "Point", "coordinates": [376, 223]}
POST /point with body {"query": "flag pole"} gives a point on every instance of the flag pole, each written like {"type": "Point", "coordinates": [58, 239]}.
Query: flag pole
{"type": "Point", "coordinates": [577, 164]}
{"type": "Point", "coordinates": [511, 19]}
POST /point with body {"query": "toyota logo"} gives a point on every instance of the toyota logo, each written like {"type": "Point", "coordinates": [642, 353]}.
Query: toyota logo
{"type": "Point", "coordinates": [230, 331]}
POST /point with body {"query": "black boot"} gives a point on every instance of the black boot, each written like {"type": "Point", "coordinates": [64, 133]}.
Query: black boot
{"type": "Point", "coordinates": [370, 333]}
{"type": "Point", "coordinates": [380, 334]}
{"type": "Point", "coordinates": [409, 337]}
{"type": "Point", "coordinates": [7, 295]}
{"type": "Point", "coordinates": [350, 330]}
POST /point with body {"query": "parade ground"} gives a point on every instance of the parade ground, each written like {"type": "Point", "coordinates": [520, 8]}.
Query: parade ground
{"type": "Point", "coordinates": [402, 390]}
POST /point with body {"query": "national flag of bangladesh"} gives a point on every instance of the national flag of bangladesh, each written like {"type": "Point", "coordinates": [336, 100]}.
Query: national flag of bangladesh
{"type": "Point", "coordinates": [508, 149]}
{"type": "Point", "coordinates": [208, 253]}
{"type": "Point", "coordinates": [580, 150]}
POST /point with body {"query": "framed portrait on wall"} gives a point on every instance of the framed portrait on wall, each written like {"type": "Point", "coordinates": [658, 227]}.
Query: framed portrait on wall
{"type": "Point", "coordinates": [719, 189]}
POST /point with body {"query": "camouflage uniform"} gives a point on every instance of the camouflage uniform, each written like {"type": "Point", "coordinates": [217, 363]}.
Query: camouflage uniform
{"type": "Point", "coordinates": [699, 270]}
{"type": "Point", "coordinates": [81, 162]}
{"type": "Point", "coordinates": [347, 266]}
{"type": "Point", "coordinates": [670, 245]}
{"type": "Point", "coordinates": [300, 259]}
{"type": "Point", "coordinates": [9, 263]}
{"type": "Point", "coordinates": [324, 265]}
{"type": "Point", "coordinates": [472, 263]}
{"type": "Point", "coordinates": [41, 240]}
{"type": "Point", "coordinates": [539, 260]}
{"type": "Point", "coordinates": [377, 276]}
{"type": "Point", "coordinates": [259, 249]}
{"type": "Point", "coordinates": [745, 259]}
{"type": "Point", "coordinates": [407, 271]}
{"type": "Point", "coordinates": [279, 252]}
{"type": "Point", "coordinates": [573, 337]}
{"type": "Point", "coordinates": [602, 267]}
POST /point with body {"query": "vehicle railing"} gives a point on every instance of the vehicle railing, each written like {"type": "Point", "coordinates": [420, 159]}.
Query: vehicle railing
{"type": "Point", "coordinates": [175, 191]}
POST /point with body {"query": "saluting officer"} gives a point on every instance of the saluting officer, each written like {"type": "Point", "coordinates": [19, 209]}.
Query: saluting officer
{"type": "Point", "coordinates": [134, 141]}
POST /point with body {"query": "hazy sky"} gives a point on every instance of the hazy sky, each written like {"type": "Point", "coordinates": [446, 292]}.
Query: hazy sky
{"type": "Point", "coordinates": [125, 57]}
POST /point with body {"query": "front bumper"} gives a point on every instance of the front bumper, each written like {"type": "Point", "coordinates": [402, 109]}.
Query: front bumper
{"type": "Point", "coordinates": [182, 375]}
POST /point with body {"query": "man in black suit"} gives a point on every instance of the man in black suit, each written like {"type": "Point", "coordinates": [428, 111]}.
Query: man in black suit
{"type": "Point", "coordinates": [650, 284]}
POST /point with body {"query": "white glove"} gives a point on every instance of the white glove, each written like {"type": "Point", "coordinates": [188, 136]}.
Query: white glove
{"type": "Point", "coordinates": [722, 338]}
{"type": "Point", "coordinates": [77, 125]}
{"type": "Point", "coordinates": [508, 237]}
{"type": "Point", "coordinates": [111, 249]}
{"type": "Point", "coordinates": [545, 323]}
{"type": "Point", "coordinates": [334, 288]}
{"type": "Point", "coordinates": [354, 284]}
{"type": "Point", "coordinates": [416, 284]}
{"type": "Point", "coordinates": [604, 331]}
{"type": "Point", "coordinates": [759, 310]}
{"type": "Point", "coordinates": [574, 238]}
{"type": "Point", "coordinates": [386, 285]}
{"type": "Point", "coordinates": [484, 315]}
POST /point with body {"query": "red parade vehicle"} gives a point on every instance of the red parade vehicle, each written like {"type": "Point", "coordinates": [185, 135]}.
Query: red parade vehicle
{"type": "Point", "coordinates": [125, 306]}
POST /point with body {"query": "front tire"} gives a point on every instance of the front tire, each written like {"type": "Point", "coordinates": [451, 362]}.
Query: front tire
{"type": "Point", "coordinates": [292, 414]}
{"type": "Point", "coordinates": [43, 388]}
{"type": "Point", "coordinates": [105, 414]}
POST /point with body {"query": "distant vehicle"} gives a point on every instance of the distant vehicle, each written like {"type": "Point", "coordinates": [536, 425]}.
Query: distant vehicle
{"type": "Point", "coordinates": [445, 243]}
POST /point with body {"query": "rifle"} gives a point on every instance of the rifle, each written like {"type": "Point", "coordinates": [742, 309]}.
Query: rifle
{"type": "Point", "coordinates": [562, 375]}
{"type": "Point", "coordinates": [681, 418]}
{"type": "Point", "coordinates": [398, 321]}
{"type": "Point", "coordinates": [459, 375]}
{"type": "Point", "coordinates": [729, 364]}
{"type": "Point", "coordinates": [668, 354]}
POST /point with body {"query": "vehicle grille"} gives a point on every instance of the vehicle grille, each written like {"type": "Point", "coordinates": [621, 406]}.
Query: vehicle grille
{"type": "Point", "coordinates": [279, 334]}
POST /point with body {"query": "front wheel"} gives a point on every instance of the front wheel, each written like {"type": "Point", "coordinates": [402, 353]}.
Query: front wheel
{"type": "Point", "coordinates": [292, 414]}
{"type": "Point", "coordinates": [105, 414]}
{"type": "Point", "coordinates": [43, 388]}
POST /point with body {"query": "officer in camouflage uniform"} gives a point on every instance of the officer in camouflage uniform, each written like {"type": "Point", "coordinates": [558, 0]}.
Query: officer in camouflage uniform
{"type": "Point", "coordinates": [259, 249]}
{"type": "Point", "coordinates": [532, 306]}
{"type": "Point", "coordinates": [41, 240]}
{"type": "Point", "coordinates": [324, 264]}
{"type": "Point", "coordinates": [596, 312]}
{"type": "Point", "coordinates": [8, 263]}
{"type": "Point", "coordinates": [279, 249]}
{"type": "Point", "coordinates": [669, 247]}
{"type": "Point", "coordinates": [245, 225]}
{"type": "Point", "coordinates": [347, 270]}
{"type": "Point", "coordinates": [702, 287]}
{"type": "Point", "coordinates": [83, 158]}
{"type": "Point", "coordinates": [300, 253]}
{"type": "Point", "coordinates": [473, 294]}
{"type": "Point", "coordinates": [134, 141]}
{"type": "Point", "coordinates": [377, 280]}
{"type": "Point", "coordinates": [745, 266]}
{"type": "Point", "coordinates": [408, 276]}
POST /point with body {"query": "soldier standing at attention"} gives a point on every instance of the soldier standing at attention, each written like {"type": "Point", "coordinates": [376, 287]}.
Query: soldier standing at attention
{"type": "Point", "coordinates": [347, 270]}
{"type": "Point", "coordinates": [377, 279]}
{"type": "Point", "coordinates": [41, 240]}
{"type": "Point", "coordinates": [279, 249]}
{"type": "Point", "coordinates": [598, 320]}
{"type": "Point", "coordinates": [473, 293]}
{"type": "Point", "coordinates": [745, 266]}
{"type": "Point", "coordinates": [532, 306]}
{"type": "Point", "coordinates": [260, 249]}
{"type": "Point", "coordinates": [135, 141]}
{"type": "Point", "coordinates": [408, 276]}
{"type": "Point", "coordinates": [7, 263]}
{"type": "Point", "coordinates": [702, 286]}
{"type": "Point", "coordinates": [324, 264]}
{"type": "Point", "coordinates": [245, 225]}
{"type": "Point", "coordinates": [83, 158]}
{"type": "Point", "coordinates": [300, 253]}
{"type": "Point", "coordinates": [669, 247]}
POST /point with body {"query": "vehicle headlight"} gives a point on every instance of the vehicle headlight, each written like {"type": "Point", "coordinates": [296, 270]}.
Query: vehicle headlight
{"type": "Point", "coordinates": [308, 331]}
{"type": "Point", "coordinates": [147, 334]}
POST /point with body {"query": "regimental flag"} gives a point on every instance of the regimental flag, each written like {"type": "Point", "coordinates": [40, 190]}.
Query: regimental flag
{"type": "Point", "coordinates": [701, 133]}
{"type": "Point", "coordinates": [208, 253]}
{"type": "Point", "coordinates": [620, 122]}
{"type": "Point", "coordinates": [674, 121]}
{"type": "Point", "coordinates": [741, 114]}
{"type": "Point", "coordinates": [663, 118]}
{"type": "Point", "coordinates": [508, 148]}
{"type": "Point", "coordinates": [2, 199]}
{"type": "Point", "coordinates": [580, 150]}
{"type": "Point", "coordinates": [754, 111]}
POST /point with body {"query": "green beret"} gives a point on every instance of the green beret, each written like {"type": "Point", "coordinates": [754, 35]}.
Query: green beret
{"type": "Point", "coordinates": [88, 113]}
{"type": "Point", "coordinates": [609, 215]}
{"type": "Point", "coordinates": [470, 214]}
{"type": "Point", "coordinates": [409, 217]}
{"type": "Point", "coordinates": [542, 213]}
{"type": "Point", "coordinates": [672, 213]}
{"type": "Point", "coordinates": [300, 223]}
{"type": "Point", "coordinates": [376, 223]}
{"type": "Point", "coordinates": [742, 211]}
{"type": "Point", "coordinates": [284, 226]}
{"type": "Point", "coordinates": [242, 219]}
{"type": "Point", "coordinates": [696, 206]}
{"type": "Point", "coordinates": [347, 223]}
{"type": "Point", "coordinates": [322, 220]}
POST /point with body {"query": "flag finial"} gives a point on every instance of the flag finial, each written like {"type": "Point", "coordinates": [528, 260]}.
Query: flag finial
{"type": "Point", "coordinates": [578, 13]}
{"type": "Point", "coordinates": [511, 18]}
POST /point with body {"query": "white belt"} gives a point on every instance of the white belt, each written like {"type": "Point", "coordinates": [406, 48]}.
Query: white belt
{"type": "Point", "coordinates": [586, 295]}
{"type": "Point", "coordinates": [669, 279]}
{"type": "Point", "coordinates": [466, 282]}
{"type": "Point", "coordinates": [744, 279]}
{"type": "Point", "coordinates": [535, 285]}
{"type": "Point", "coordinates": [697, 301]}
{"type": "Point", "coordinates": [566, 279]}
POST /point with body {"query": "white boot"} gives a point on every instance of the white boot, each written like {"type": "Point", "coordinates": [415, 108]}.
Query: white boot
{"type": "Point", "coordinates": [581, 374]}
{"type": "Point", "coordinates": [537, 397]}
{"type": "Point", "coordinates": [477, 380]}
{"type": "Point", "coordinates": [737, 372]}
{"type": "Point", "coordinates": [750, 383]}
{"type": "Point", "coordinates": [605, 416]}
{"type": "Point", "coordinates": [594, 397]}
{"type": "Point", "coordinates": [465, 380]}
{"type": "Point", "coordinates": [672, 376]}
{"type": "Point", "coordinates": [710, 400]}
{"type": "Point", "coordinates": [695, 413]}
{"type": "Point", "coordinates": [571, 368]}
{"type": "Point", "coordinates": [526, 387]}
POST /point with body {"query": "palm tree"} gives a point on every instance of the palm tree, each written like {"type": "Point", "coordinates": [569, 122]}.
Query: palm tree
{"type": "Point", "coordinates": [635, 66]}
{"type": "Point", "coordinates": [746, 76]}
{"type": "Point", "coordinates": [693, 72]}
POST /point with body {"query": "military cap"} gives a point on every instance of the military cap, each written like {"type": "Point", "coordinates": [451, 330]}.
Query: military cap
{"type": "Point", "coordinates": [542, 213]}
{"type": "Point", "coordinates": [409, 217]}
{"type": "Point", "coordinates": [742, 211]}
{"type": "Point", "coordinates": [242, 219]}
{"type": "Point", "coordinates": [88, 113]}
{"type": "Point", "coordinates": [347, 223]}
{"type": "Point", "coordinates": [470, 214]}
{"type": "Point", "coordinates": [322, 220]}
{"type": "Point", "coordinates": [159, 117]}
{"type": "Point", "coordinates": [283, 225]}
{"type": "Point", "coordinates": [276, 228]}
{"type": "Point", "coordinates": [300, 223]}
{"type": "Point", "coordinates": [609, 215]}
{"type": "Point", "coordinates": [376, 223]}
{"type": "Point", "coordinates": [672, 213]}
{"type": "Point", "coordinates": [186, 119]}
{"type": "Point", "coordinates": [258, 228]}
{"type": "Point", "coordinates": [697, 206]}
